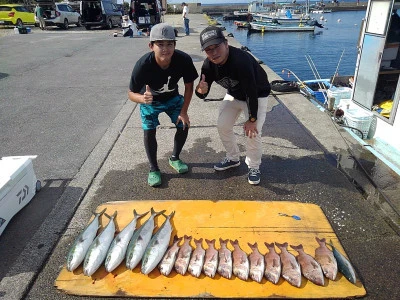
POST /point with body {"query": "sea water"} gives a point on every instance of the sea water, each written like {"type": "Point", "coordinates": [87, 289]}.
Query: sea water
{"type": "Point", "coordinates": [329, 50]}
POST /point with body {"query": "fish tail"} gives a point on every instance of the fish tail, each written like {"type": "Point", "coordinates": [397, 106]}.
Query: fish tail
{"type": "Point", "coordinates": [281, 246]}
{"type": "Point", "coordinates": [138, 216]}
{"type": "Point", "coordinates": [157, 213]}
{"type": "Point", "coordinates": [234, 243]}
{"type": "Point", "coordinates": [297, 248]}
{"type": "Point", "coordinates": [111, 217]}
{"type": "Point", "coordinates": [100, 213]}
{"type": "Point", "coordinates": [199, 241]}
{"type": "Point", "coordinates": [223, 242]}
{"type": "Point", "coordinates": [269, 246]}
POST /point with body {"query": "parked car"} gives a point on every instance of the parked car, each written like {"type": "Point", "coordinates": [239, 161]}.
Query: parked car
{"type": "Point", "coordinates": [146, 13]}
{"type": "Point", "coordinates": [15, 14]}
{"type": "Point", "coordinates": [102, 13]}
{"type": "Point", "coordinates": [59, 14]}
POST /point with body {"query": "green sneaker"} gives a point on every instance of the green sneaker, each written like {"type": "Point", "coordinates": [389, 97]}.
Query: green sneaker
{"type": "Point", "coordinates": [179, 166]}
{"type": "Point", "coordinates": [154, 178]}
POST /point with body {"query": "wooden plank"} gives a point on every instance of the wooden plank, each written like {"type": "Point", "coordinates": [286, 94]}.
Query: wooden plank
{"type": "Point", "coordinates": [246, 221]}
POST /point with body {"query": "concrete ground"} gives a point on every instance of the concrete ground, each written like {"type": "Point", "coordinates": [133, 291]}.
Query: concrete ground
{"type": "Point", "coordinates": [307, 158]}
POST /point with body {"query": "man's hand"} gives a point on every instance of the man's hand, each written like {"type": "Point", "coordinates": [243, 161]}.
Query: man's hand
{"type": "Point", "coordinates": [184, 118]}
{"type": "Point", "coordinates": [250, 129]}
{"type": "Point", "coordinates": [147, 96]}
{"type": "Point", "coordinates": [202, 87]}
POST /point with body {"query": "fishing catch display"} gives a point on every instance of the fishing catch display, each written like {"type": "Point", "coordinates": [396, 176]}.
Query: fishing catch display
{"type": "Point", "coordinates": [151, 249]}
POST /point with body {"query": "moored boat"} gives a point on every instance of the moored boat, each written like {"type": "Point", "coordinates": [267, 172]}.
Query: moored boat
{"type": "Point", "coordinates": [276, 27]}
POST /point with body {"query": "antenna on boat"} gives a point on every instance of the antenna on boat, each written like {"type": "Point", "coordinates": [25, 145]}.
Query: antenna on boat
{"type": "Point", "coordinates": [291, 72]}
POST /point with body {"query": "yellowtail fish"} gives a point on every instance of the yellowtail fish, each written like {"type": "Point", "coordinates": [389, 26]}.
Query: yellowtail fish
{"type": "Point", "coordinates": [98, 249]}
{"type": "Point", "coordinates": [197, 260]}
{"type": "Point", "coordinates": [257, 264]}
{"type": "Point", "coordinates": [168, 261]}
{"type": "Point", "coordinates": [291, 271]}
{"type": "Point", "coordinates": [272, 264]}
{"type": "Point", "coordinates": [157, 246]}
{"type": "Point", "coordinates": [139, 241]}
{"type": "Point", "coordinates": [326, 259]}
{"type": "Point", "coordinates": [224, 260]}
{"type": "Point", "coordinates": [344, 265]}
{"type": "Point", "coordinates": [183, 258]}
{"type": "Point", "coordinates": [211, 259]}
{"type": "Point", "coordinates": [309, 266]}
{"type": "Point", "coordinates": [241, 265]}
{"type": "Point", "coordinates": [79, 248]}
{"type": "Point", "coordinates": [119, 245]}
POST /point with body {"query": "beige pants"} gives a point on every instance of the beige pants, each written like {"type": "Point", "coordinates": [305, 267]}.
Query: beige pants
{"type": "Point", "coordinates": [229, 112]}
{"type": "Point", "coordinates": [42, 23]}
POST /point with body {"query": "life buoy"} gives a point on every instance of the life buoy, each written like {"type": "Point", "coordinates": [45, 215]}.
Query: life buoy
{"type": "Point", "coordinates": [284, 86]}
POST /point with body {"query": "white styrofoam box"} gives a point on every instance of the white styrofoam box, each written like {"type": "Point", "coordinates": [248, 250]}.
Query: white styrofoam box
{"type": "Point", "coordinates": [17, 186]}
{"type": "Point", "coordinates": [339, 93]}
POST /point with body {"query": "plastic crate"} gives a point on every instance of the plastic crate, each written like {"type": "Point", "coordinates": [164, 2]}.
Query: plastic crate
{"type": "Point", "coordinates": [22, 30]}
{"type": "Point", "coordinates": [339, 93]}
{"type": "Point", "coordinates": [360, 119]}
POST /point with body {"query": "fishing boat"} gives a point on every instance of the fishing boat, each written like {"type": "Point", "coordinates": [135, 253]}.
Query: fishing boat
{"type": "Point", "coordinates": [241, 24]}
{"type": "Point", "coordinates": [315, 89]}
{"type": "Point", "coordinates": [276, 27]}
{"type": "Point", "coordinates": [292, 13]}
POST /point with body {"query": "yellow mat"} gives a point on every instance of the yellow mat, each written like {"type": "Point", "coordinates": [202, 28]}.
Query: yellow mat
{"type": "Point", "coordinates": [246, 221]}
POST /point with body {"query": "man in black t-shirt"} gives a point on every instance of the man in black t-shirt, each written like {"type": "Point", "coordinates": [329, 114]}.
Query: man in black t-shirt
{"type": "Point", "coordinates": [247, 88]}
{"type": "Point", "coordinates": [154, 84]}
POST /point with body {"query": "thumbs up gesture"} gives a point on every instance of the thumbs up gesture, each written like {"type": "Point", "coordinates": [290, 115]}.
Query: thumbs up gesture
{"type": "Point", "coordinates": [202, 87]}
{"type": "Point", "coordinates": [147, 96]}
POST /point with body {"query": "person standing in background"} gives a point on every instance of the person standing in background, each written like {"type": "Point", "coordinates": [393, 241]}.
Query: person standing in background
{"type": "Point", "coordinates": [185, 16]}
{"type": "Point", "coordinates": [39, 15]}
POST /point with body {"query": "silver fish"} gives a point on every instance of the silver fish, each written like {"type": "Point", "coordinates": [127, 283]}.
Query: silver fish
{"type": "Point", "coordinates": [291, 271]}
{"type": "Point", "coordinates": [157, 246]}
{"type": "Point", "coordinates": [197, 260]}
{"type": "Point", "coordinates": [98, 249]}
{"type": "Point", "coordinates": [326, 259]}
{"type": "Point", "coordinates": [344, 265]}
{"type": "Point", "coordinates": [183, 258]}
{"type": "Point", "coordinates": [168, 261]}
{"type": "Point", "coordinates": [257, 264]}
{"type": "Point", "coordinates": [241, 264]}
{"type": "Point", "coordinates": [309, 266]}
{"type": "Point", "coordinates": [139, 241]}
{"type": "Point", "coordinates": [211, 259]}
{"type": "Point", "coordinates": [79, 248]}
{"type": "Point", "coordinates": [225, 260]}
{"type": "Point", "coordinates": [119, 245]}
{"type": "Point", "coordinates": [272, 264]}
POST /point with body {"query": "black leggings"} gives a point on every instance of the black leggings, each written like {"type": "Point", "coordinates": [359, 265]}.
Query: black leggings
{"type": "Point", "coordinates": [150, 144]}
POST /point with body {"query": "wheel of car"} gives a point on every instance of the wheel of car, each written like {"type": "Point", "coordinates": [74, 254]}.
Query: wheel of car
{"type": "Point", "coordinates": [79, 23]}
{"type": "Point", "coordinates": [110, 24]}
{"type": "Point", "coordinates": [65, 25]}
{"type": "Point", "coordinates": [87, 27]}
{"type": "Point", "coordinates": [19, 23]}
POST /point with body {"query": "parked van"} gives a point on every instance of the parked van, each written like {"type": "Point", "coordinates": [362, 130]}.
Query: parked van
{"type": "Point", "coordinates": [146, 13]}
{"type": "Point", "coordinates": [102, 13]}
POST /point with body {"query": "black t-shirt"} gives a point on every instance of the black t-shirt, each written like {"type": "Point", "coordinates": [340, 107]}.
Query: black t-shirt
{"type": "Point", "coordinates": [241, 75]}
{"type": "Point", "coordinates": [163, 83]}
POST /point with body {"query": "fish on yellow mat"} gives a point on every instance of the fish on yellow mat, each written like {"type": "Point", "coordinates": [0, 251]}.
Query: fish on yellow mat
{"type": "Point", "coordinates": [197, 260]}
{"type": "Point", "coordinates": [139, 241]}
{"type": "Point", "coordinates": [257, 264]}
{"type": "Point", "coordinates": [182, 261]}
{"type": "Point", "coordinates": [225, 259]}
{"type": "Point", "coordinates": [168, 261]}
{"type": "Point", "coordinates": [309, 266]}
{"type": "Point", "coordinates": [291, 271]}
{"type": "Point", "coordinates": [157, 246]}
{"type": "Point", "coordinates": [119, 245]}
{"type": "Point", "coordinates": [79, 248]}
{"type": "Point", "coordinates": [344, 265]}
{"type": "Point", "coordinates": [272, 264]}
{"type": "Point", "coordinates": [98, 249]}
{"type": "Point", "coordinates": [241, 265]}
{"type": "Point", "coordinates": [324, 256]}
{"type": "Point", "coordinates": [211, 259]}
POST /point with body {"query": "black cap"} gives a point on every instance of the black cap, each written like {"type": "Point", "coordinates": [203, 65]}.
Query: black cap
{"type": "Point", "coordinates": [212, 35]}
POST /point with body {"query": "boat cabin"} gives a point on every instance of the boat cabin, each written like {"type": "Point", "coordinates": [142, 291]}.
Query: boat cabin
{"type": "Point", "coordinates": [376, 83]}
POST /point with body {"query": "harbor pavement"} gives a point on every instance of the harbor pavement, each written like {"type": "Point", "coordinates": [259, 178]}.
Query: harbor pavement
{"type": "Point", "coordinates": [307, 158]}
